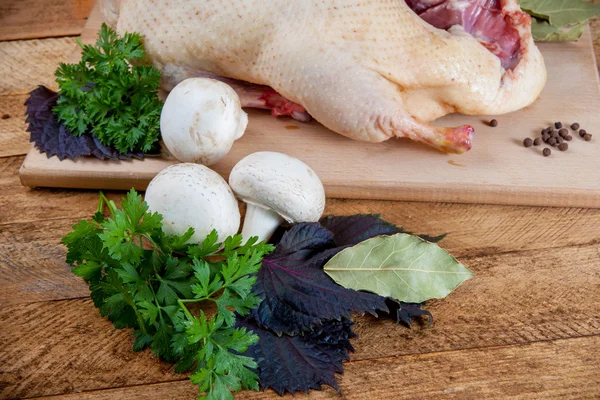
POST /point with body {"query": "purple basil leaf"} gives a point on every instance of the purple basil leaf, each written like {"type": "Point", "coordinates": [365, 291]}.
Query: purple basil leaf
{"type": "Point", "coordinates": [54, 139]}
{"type": "Point", "coordinates": [351, 230]}
{"type": "Point", "coordinates": [300, 363]}
{"type": "Point", "coordinates": [404, 313]}
{"type": "Point", "coordinates": [334, 333]}
{"type": "Point", "coordinates": [433, 239]}
{"type": "Point", "coordinates": [297, 294]}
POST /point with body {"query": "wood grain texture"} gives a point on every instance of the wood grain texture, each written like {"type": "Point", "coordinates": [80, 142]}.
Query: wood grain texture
{"type": "Point", "coordinates": [493, 172]}
{"type": "Point", "coordinates": [31, 19]}
{"type": "Point", "coordinates": [14, 140]}
{"type": "Point", "coordinates": [516, 297]}
{"type": "Point", "coordinates": [555, 297]}
{"type": "Point", "coordinates": [29, 63]}
{"type": "Point", "coordinates": [549, 369]}
{"type": "Point", "coordinates": [562, 369]}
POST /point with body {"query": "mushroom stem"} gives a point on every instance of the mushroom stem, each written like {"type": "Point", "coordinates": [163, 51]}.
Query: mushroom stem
{"type": "Point", "coordinates": [260, 222]}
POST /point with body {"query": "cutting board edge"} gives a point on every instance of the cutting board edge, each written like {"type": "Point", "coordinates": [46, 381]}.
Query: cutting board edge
{"type": "Point", "coordinates": [398, 191]}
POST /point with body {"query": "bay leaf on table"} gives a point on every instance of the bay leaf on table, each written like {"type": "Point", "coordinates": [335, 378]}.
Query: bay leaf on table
{"type": "Point", "coordinates": [561, 13]}
{"type": "Point", "coordinates": [401, 266]}
{"type": "Point", "coordinates": [544, 32]}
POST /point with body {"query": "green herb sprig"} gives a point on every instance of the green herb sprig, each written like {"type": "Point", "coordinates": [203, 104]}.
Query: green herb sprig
{"type": "Point", "coordinates": [108, 96]}
{"type": "Point", "coordinates": [142, 278]}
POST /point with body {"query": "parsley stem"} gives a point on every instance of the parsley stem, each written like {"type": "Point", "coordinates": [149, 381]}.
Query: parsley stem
{"type": "Point", "coordinates": [109, 203]}
{"type": "Point", "coordinates": [156, 246]}
{"type": "Point", "coordinates": [191, 300]}
{"type": "Point", "coordinates": [140, 320]}
{"type": "Point", "coordinates": [184, 308]}
{"type": "Point", "coordinates": [100, 204]}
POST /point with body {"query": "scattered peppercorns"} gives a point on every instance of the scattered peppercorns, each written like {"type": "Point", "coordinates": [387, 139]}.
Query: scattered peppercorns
{"type": "Point", "coordinates": [555, 136]}
{"type": "Point", "coordinates": [563, 132]}
{"type": "Point", "coordinates": [493, 123]}
{"type": "Point", "coordinates": [563, 147]}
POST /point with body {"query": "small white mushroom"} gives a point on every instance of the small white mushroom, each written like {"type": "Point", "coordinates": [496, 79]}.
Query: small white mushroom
{"type": "Point", "coordinates": [192, 195]}
{"type": "Point", "coordinates": [276, 187]}
{"type": "Point", "coordinates": [200, 120]}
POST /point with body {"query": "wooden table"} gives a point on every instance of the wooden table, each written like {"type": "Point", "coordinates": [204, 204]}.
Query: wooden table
{"type": "Point", "coordinates": [527, 325]}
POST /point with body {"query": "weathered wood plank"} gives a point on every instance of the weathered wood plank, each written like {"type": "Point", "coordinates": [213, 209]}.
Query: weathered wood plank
{"type": "Point", "coordinates": [31, 19]}
{"type": "Point", "coordinates": [32, 266]}
{"type": "Point", "coordinates": [515, 298]}
{"type": "Point", "coordinates": [29, 63]}
{"type": "Point", "coordinates": [14, 140]}
{"type": "Point", "coordinates": [55, 347]}
{"type": "Point", "coordinates": [546, 370]}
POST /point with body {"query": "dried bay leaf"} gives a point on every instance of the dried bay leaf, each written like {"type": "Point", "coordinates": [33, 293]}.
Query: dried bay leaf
{"type": "Point", "coordinates": [544, 32]}
{"type": "Point", "coordinates": [401, 266]}
{"type": "Point", "coordinates": [561, 13]}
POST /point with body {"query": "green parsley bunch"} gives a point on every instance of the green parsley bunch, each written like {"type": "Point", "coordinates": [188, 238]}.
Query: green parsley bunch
{"type": "Point", "coordinates": [108, 96]}
{"type": "Point", "coordinates": [144, 279]}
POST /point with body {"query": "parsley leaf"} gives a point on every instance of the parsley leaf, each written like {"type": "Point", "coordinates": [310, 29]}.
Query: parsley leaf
{"type": "Point", "coordinates": [142, 278]}
{"type": "Point", "coordinates": [110, 94]}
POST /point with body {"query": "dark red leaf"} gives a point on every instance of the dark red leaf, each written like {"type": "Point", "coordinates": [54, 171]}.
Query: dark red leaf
{"type": "Point", "coordinates": [53, 138]}
{"type": "Point", "coordinates": [297, 294]}
{"type": "Point", "coordinates": [302, 362]}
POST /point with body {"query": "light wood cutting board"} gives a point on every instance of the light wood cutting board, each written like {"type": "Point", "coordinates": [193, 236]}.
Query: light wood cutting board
{"type": "Point", "coordinates": [497, 170]}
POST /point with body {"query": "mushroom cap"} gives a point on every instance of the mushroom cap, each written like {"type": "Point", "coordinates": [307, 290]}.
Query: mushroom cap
{"type": "Point", "coordinates": [192, 195]}
{"type": "Point", "coordinates": [281, 183]}
{"type": "Point", "coordinates": [200, 120]}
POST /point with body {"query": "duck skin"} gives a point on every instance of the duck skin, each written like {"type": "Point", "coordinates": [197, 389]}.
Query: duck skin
{"type": "Point", "coordinates": [370, 70]}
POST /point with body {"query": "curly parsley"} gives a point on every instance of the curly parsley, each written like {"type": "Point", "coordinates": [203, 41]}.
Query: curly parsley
{"type": "Point", "coordinates": [108, 96]}
{"type": "Point", "coordinates": [144, 279]}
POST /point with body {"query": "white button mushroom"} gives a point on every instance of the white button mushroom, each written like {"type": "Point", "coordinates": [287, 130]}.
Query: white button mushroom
{"type": "Point", "coordinates": [276, 187]}
{"type": "Point", "coordinates": [200, 120]}
{"type": "Point", "coordinates": [192, 195]}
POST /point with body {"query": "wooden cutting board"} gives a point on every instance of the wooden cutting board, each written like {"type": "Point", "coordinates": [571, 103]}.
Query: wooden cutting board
{"type": "Point", "coordinates": [497, 170]}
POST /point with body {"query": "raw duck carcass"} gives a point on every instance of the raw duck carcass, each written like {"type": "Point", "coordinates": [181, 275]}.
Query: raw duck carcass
{"type": "Point", "coordinates": [367, 69]}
